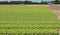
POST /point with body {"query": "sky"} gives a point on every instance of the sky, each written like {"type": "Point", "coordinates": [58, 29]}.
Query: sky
{"type": "Point", "coordinates": [28, 0]}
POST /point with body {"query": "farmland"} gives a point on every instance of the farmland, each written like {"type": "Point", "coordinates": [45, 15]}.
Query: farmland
{"type": "Point", "coordinates": [28, 19]}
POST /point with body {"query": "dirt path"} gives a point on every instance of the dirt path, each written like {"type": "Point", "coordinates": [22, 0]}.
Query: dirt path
{"type": "Point", "coordinates": [56, 10]}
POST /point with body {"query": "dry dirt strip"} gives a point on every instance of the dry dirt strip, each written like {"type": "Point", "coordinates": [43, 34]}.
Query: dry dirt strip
{"type": "Point", "coordinates": [57, 13]}
{"type": "Point", "coordinates": [55, 10]}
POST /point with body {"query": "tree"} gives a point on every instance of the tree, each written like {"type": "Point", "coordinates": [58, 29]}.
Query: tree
{"type": "Point", "coordinates": [27, 2]}
{"type": "Point", "coordinates": [56, 1]}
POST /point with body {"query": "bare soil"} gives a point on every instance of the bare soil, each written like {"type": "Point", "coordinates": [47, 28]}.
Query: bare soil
{"type": "Point", "coordinates": [56, 10]}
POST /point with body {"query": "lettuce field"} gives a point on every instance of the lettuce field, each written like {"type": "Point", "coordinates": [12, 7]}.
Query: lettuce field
{"type": "Point", "coordinates": [28, 20]}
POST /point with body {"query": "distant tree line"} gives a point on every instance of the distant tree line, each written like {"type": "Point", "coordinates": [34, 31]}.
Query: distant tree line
{"type": "Point", "coordinates": [28, 2]}
{"type": "Point", "coordinates": [57, 2]}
